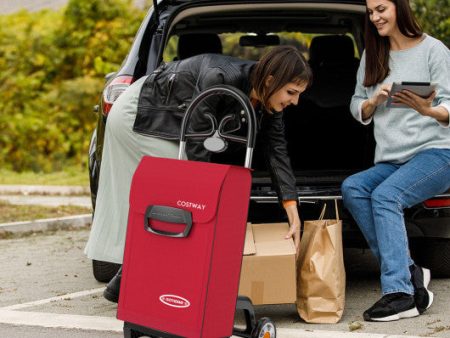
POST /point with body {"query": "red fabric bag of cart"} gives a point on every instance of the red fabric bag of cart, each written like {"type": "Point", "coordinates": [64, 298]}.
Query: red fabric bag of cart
{"type": "Point", "coordinates": [184, 246]}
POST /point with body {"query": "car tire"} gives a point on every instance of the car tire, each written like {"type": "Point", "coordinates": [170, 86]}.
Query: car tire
{"type": "Point", "coordinates": [434, 254]}
{"type": "Point", "coordinates": [104, 271]}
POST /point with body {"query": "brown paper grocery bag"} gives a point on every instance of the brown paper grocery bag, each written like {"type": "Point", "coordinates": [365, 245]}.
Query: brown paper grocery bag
{"type": "Point", "coordinates": [321, 271]}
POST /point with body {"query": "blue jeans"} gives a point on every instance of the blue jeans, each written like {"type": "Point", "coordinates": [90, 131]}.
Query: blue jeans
{"type": "Point", "coordinates": [376, 198]}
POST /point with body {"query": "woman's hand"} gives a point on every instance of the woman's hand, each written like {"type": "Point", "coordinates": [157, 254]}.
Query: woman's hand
{"type": "Point", "coordinates": [414, 101]}
{"type": "Point", "coordinates": [423, 105]}
{"type": "Point", "coordinates": [380, 96]}
{"type": "Point", "coordinates": [294, 224]}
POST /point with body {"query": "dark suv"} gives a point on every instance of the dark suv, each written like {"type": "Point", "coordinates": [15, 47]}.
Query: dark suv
{"type": "Point", "coordinates": [325, 143]}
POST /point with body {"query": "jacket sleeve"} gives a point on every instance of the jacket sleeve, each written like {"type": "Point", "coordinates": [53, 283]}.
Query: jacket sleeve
{"type": "Point", "coordinates": [276, 156]}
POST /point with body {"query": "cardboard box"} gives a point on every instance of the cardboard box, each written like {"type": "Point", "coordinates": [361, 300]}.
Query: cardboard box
{"type": "Point", "coordinates": [268, 274]}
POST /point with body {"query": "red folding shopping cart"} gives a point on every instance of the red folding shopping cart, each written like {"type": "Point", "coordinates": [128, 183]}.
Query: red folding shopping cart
{"type": "Point", "coordinates": [185, 238]}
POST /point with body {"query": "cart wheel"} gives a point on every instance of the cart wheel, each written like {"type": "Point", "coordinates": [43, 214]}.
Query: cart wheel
{"type": "Point", "coordinates": [140, 335]}
{"type": "Point", "coordinates": [130, 333]}
{"type": "Point", "coordinates": [265, 328]}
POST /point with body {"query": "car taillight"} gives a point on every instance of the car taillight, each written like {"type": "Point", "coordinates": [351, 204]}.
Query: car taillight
{"type": "Point", "coordinates": [113, 91]}
{"type": "Point", "coordinates": [437, 203]}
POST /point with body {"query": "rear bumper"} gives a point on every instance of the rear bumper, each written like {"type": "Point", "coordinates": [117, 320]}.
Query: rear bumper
{"type": "Point", "coordinates": [420, 221]}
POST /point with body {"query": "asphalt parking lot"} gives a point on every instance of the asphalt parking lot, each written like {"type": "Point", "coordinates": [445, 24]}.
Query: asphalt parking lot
{"type": "Point", "coordinates": [47, 288]}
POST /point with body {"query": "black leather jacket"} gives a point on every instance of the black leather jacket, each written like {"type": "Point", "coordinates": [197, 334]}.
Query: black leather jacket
{"type": "Point", "coordinates": [167, 92]}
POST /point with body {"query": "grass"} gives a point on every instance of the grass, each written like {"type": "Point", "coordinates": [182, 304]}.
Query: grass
{"type": "Point", "coordinates": [74, 175]}
{"type": "Point", "coordinates": [15, 213]}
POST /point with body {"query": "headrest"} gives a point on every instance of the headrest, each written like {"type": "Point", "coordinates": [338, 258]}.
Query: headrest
{"type": "Point", "coordinates": [331, 48]}
{"type": "Point", "coordinates": [198, 43]}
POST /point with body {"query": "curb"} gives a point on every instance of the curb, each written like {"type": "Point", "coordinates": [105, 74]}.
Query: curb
{"type": "Point", "coordinates": [10, 189]}
{"type": "Point", "coordinates": [48, 200]}
{"type": "Point", "coordinates": [68, 222]}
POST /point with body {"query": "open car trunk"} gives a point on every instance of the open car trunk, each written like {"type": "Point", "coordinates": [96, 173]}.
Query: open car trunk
{"type": "Point", "coordinates": [326, 145]}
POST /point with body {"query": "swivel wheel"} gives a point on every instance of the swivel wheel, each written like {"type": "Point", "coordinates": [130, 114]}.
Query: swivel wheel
{"type": "Point", "coordinates": [264, 328]}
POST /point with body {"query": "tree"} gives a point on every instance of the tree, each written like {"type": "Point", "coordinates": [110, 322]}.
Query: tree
{"type": "Point", "coordinates": [434, 16]}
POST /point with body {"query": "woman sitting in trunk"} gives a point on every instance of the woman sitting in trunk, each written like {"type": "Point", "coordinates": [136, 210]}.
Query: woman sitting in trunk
{"type": "Point", "coordinates": [412, 155]}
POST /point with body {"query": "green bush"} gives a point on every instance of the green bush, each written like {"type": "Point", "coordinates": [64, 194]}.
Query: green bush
{"type": "Point", "coordinates": [52, 68]}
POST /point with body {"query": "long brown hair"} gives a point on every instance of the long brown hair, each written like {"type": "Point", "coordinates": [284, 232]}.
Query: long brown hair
{"type": "Point", "coordinates": [378, 47]}
{"type": "Point", "coordinates": [285, 64]}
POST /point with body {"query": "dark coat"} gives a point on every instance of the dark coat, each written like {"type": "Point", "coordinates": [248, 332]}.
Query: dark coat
{"type": "Point", "coordinates": [167, 92]}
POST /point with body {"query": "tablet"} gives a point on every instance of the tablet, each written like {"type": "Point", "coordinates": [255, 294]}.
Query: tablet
{"type": "Point", "coordinates": [423, 89]}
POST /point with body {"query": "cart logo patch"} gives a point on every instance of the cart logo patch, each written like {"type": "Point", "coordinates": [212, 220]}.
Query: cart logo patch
{"type": "Point", "coordinates": [174, 301]}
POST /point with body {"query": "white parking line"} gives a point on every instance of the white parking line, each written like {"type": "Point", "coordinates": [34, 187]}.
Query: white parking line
{"type": "Point", "coordinates": [54, 320]}
{"type": "Point", "coordinates": [10, 315]}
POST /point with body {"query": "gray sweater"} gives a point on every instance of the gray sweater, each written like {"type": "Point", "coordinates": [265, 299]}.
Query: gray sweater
{"type": "Point", "coordinates": [400, 133]}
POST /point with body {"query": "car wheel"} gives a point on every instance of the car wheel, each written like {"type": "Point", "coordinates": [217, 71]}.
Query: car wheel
{"type": "Point", "coordinates": [104, 271]}
{"type": "Point", "coordinates": [434, 254]}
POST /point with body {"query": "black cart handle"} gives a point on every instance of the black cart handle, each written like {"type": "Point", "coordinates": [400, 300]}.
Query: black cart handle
{"type": "Point", "coordinates": [169, 215]}
{"type": "Point", "coordinates": [247, 109]}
